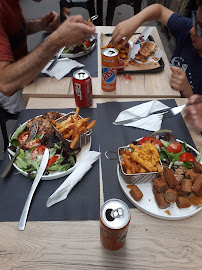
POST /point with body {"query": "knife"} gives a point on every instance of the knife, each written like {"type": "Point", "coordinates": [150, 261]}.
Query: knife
{"type": "Point", "coordinates": [123, 122]}
{"type": "Point", "coordinates": [55, 59]}
{"type": "Point", "coordinates": [23, 218]}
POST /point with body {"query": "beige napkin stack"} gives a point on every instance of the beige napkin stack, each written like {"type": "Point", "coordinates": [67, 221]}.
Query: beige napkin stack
{"type": "Point", "coordinates": [141, 114]}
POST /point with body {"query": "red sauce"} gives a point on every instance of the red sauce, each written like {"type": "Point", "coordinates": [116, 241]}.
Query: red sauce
{"type": "Point", "coordinates": [121, 64]}
{"type": "Point", "coordinates": [126, 77]}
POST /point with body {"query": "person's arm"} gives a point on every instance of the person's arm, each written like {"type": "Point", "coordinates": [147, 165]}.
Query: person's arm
{"type": "Point", "coordinates": [179, 82]}
{"type": "Point", "coordinates": [127, 28]}
{"type": "Point", "coordinates": [48, 22]}
{"type": "Point", "coordinates": [193, 113]}
{"type": "Point", "coordinates": [14, 76]}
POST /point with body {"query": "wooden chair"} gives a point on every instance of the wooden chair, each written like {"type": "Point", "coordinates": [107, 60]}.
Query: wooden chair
{"type": "Point", "coordinates": [112, 4]}
{"type": "Point", "coordinates": [4, 117]}
{"type": "Point", "coordinates": [87, 4]}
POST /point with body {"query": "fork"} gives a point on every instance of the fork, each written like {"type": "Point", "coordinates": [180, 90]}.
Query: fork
{"type": "Point", "coordinates": [174, 111]}
{"type": "Point", "coordinates": [124, 122]}
{"type": "Point", "coordinates": [31, 137]}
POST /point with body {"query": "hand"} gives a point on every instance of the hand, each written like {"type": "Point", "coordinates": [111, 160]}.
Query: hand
{"type": "Point", "coordinates": [74, 30]}
{"type": "Point", "coordinates": [124, 29]}
{"type": "Point", "coordinates": [179, 82]}
{"type": "Point", "coordinates": [50, 22]}
{"type": "Point", "coordinates": [193, 113]}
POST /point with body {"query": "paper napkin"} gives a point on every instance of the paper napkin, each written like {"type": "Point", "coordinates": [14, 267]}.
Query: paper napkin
{"type": "Point", "coordinates": [62, 67]}
{"type": "Point", "coordinates": [141, 114]}
{"type": "Point", "coordinates": [138, 44]}
{"type": "Point", "coordinates": [82, 168]}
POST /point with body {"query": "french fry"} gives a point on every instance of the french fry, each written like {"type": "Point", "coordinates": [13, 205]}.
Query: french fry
{"type": "Point", "coordinates": [123, 163]}
{"type": "Point", "coordinates": [138, 167]}
{"type": "Point", "coordinates": [68, 120]}
{"type": "Point", "coordinates": [74, 141]}
{"type": "Point", "coordinates": [78, 124]}
{"type": "Point", "coordinates": [133, 146]}
{"type": "Point", "coordinates": [128, 163]}
{"type": "Point", "coordinates": [128, 171]}
{"type": "Point", "coordinates": [133, 169]}
{"type": "Point", "coordinates": [73, 126]}
{"type": "Point", "coordinates": [91, 125]}
{"type": "Point", "coordinates": [121, 151]}
{"type": "Point", "coordinates": [76, 112]}
{"type": "Point", "coordinates": [147, 165]}
{"type": "Point", "coordinates": [127, 152]}
{"type": "Point", "coordinates": [65, 127]}
{"type": "Point", "coordinates": [54, 122]}
{"type": "Point", "coordinates": [159, 167]}
{"type": "Point", "coordinates": [69, 134]}
{"type": "Point", "coordinates": [84, 120]}
{"type": "Point", "coordinates": [142, 170]}
{"type": "Point", "coordinates": [82, 129]}
{"type": "Point", "coordinates": [76, 131]}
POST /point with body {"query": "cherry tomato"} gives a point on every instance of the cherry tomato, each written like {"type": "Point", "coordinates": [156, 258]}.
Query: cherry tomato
{"type": "Point", "coordinates": [38, 150]}
{"type": "Point", "coordinates": [22, 138]}
{"type": "Point", "coordinates": [151, 140]}
{"type": "Point", "coordinates": [52, 160]}
{"type": "Point", "coordinates": [175, 147]}
{"type": "Point", "coordinates": [87, 43]}
{"type": "Point", "coordinates": [186, 157]}
{"type": "Point", "coordinates": [32, 143]}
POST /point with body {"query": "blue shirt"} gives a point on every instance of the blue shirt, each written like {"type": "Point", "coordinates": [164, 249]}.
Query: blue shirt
{"type": "Point", "coordinates": [185, 54]}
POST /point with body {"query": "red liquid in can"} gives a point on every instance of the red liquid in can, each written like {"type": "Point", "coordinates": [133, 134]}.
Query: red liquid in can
{"type": "Point", "coordinates": [82, 88]}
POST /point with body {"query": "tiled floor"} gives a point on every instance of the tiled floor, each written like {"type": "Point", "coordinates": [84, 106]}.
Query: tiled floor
{"type": "Point", "coordinates": [33, 10]}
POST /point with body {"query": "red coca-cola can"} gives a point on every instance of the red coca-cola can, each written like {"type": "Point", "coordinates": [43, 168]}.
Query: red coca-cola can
{"type": "Point", "coordinates": [82, 88]}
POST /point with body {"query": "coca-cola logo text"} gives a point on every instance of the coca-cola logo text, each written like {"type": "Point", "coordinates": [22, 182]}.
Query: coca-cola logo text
{"type": "Point", "coordinates": [78, 90]}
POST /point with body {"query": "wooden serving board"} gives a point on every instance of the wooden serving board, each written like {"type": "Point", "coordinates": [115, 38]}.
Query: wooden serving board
{"type": "Point", "coordinates": [136, 67]}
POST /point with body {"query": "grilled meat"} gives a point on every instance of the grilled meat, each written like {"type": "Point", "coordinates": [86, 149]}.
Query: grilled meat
{"type": "Point", "coordinates": [44, 122]}
{"type": "Point", "coordinates": [197, 167]}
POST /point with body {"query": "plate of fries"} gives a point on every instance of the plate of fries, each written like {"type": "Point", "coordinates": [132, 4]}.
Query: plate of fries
{"type": "Point", "coordinates": [74, 130]}
{"type": "Point", "coordinates": [73, 141]}
{"type": "Point", "coordinates": [147, 203]}
{"type": "Point", "coordinates": [139, 164]}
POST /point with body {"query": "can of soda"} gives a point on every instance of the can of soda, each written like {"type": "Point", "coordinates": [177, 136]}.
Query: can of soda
{"type": "Point", "coordinates": [114, 220]}
{"type": "Point", "coordinates": [109, 69]}
{"type": "Point", "coordinates": [82, 88]}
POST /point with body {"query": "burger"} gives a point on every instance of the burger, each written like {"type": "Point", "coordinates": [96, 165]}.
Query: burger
{"type": "Point", "coordinates": [147, 49]}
